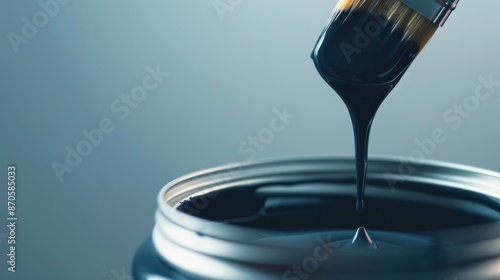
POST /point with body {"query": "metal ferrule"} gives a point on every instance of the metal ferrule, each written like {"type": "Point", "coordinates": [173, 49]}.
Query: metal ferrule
{"type": "Point", "coordinates": [436, 11]}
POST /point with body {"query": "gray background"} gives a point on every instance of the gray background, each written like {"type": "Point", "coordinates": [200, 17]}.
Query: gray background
{"type": "Point", "coordinates": [226, 77]}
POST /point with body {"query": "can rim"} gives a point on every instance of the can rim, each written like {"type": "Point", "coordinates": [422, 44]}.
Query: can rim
{"type": "Point", "coordinates": [427, 172]}
{"type": "Point", "coordinates": [186, 241]}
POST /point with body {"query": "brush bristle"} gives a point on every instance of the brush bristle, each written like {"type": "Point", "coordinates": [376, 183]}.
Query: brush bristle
{"type": "Point", "coordinates": [415, 27]}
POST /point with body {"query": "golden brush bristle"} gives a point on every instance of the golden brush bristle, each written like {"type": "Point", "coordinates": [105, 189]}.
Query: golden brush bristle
{"type": "Point", "coordinates": [416, 28]}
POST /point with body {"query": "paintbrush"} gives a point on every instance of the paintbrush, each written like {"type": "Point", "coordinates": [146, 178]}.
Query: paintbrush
{"type": "Point", "coordinates": [364, 51]}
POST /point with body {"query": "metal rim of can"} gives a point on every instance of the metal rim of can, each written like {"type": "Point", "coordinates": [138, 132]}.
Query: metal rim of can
{"type": "Point", "coordinates": [192, 244]}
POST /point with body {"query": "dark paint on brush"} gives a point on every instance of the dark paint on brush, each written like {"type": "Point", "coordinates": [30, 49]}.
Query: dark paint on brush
{"type": "Point", "coordinates": [362, 56]}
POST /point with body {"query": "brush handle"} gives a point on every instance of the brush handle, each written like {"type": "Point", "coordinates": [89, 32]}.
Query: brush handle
{"type": "Point", "coordinates": [436, 11]}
